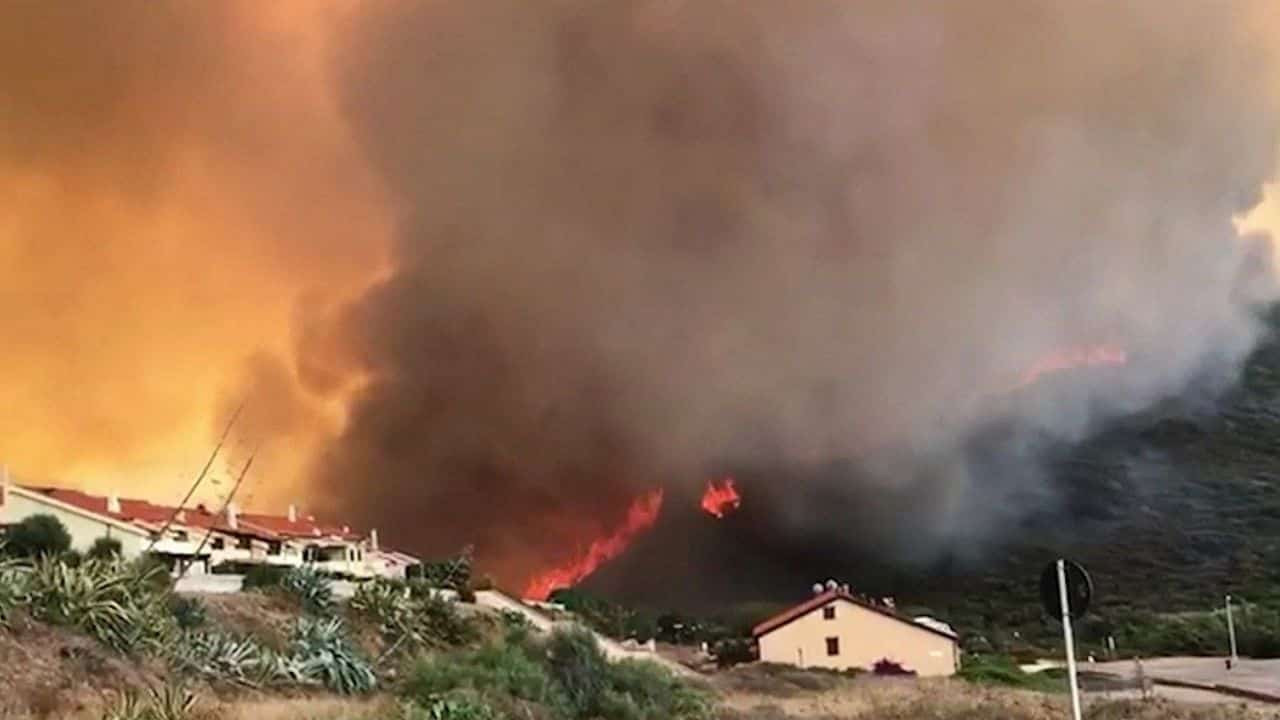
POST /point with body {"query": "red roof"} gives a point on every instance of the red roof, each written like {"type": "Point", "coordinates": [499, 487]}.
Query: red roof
{"type": "Point", "coordinates": [141, 512]}
{"type": "Point", "coordinates": [817, 601]}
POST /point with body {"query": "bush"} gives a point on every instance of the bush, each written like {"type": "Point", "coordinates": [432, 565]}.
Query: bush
{"type": "Point", "coordinates": [580, 668]}
{"type": "Point", "coordinates": [188, 612]}
{"type": "Point", "coordinates": [37, 536]}
{"type": "Point", "coordinates": [501, 671]}
{"type": "Point", "coordinates": [1003, 670]}
{"type": "Point", "coordinates": [324, 655]}
{"type": "Point", "coordinates": [313, 590]}
{"type": "Point", "coordinates": [263, 576]}
{"type": "Point", "coordinates": [168, 703]}
{"type": "Point", "coordinates": [114, 604]}
{"type": "Point", "coordinates": [104, 548]}
{"type": "Point", "coordinates": [410, 620]}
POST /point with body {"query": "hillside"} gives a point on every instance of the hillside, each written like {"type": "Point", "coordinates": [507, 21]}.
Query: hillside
{"type": "Point", "coordinates": [1169, 509]}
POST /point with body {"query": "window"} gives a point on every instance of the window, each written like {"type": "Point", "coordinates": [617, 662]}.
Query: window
{"type": "Point", "coordinates": [219, 543]}
{"type": "Point", "coordinates": [245, 543]}
{"type": "Point", "coordinates": [833, 646]}
{"type": "Point", "coordinates": [829, 612]}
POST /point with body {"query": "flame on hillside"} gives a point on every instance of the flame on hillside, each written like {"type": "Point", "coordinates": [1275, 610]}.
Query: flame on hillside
{"type": "Point", "coordinates": [642, 514]}
{"type": "Point", "coordinates": [1073, 358]}
{"type": "Point", "coordinates": [720, 497]}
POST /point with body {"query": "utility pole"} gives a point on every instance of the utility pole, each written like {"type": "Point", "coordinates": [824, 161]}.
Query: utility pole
{"type": "Point", "coordinates": [199, 479]}
{"type": "Point", "coordinates": [1231, 633]}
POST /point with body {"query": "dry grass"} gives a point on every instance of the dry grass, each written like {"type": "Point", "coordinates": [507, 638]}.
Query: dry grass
{"type": "Point", "coordinates": [764, 693]}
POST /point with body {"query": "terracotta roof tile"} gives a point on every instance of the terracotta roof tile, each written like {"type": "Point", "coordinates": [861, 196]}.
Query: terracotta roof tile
{"type": "Point", "coordinates": [817, 601]}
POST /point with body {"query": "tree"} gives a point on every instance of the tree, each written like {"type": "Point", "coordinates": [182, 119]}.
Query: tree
{"type": "Point", "coordinates": [37, 536]}
{"type": "Point", "coordinates": [104, 548]}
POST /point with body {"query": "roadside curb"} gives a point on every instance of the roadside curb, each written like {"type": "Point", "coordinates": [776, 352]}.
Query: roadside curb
{"type": "Point", "coordinates": [1239, 692]}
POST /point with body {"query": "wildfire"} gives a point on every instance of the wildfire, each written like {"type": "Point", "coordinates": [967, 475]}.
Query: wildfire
{"type": "Point", "coordinates": [1086, 356]}
{"type": "Point", "coordinates": [642, 514]}
{"type": "Point", "coordinates": [720, 497]}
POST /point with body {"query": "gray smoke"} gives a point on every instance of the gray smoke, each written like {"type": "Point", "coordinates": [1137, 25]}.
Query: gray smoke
{"type": "Point", "coordinates": [643, 242]}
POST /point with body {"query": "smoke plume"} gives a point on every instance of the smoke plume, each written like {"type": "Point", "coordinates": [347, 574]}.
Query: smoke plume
{"type": "Point", "coordinates": [505, 266]}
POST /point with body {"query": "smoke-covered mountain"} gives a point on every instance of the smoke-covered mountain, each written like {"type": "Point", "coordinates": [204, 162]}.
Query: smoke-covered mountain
{"type": "Point", "coordinates": [1169, 509]}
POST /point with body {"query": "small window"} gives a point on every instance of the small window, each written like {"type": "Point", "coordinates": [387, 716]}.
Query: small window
{"type": "Point", "coordinates": [829, 612]}
{"type": "Point", "coordinates": [219, 543]}
{"type": "Point", "coordinates": [833, 646]}
{"type": "Point", "coordinates": [245, 543]}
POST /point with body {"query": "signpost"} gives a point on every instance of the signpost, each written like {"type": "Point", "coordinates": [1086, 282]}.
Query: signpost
{"type": "Point", "coordinates": [1065, 591]}
{"type": "Point", "coordinates": [1231, 633]}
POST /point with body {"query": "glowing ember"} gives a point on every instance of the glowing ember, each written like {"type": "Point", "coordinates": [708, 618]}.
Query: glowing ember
{"type": "Point", "coordinates": [720, 497]}
{"type": "Point", "coordinates": [1089, 356]}
{"type": "Point", "coordinates": [640, 517]}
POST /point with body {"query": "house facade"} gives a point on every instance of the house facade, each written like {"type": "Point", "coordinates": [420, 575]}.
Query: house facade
{"type": "Point", "coordinates": [197, 540]}
{"type": "Point", "coordinates": [840, 631]}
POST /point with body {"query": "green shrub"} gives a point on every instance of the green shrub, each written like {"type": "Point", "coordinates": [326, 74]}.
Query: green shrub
{"type": "Point", "coordinates": [642, 690]}
{"type": "Point", "coordinates": [37, 536]}
{"type": "Point", "coordinates": [104, 548]}
{"type": "Point", "coordinates": [168, 703]}
{"type": "Point", "coordinates": [1003, 670]}
{"type": "Point", "coordinates": [324, 655]}
{"type": "Point", "coordinates": [263, 577]}
{"type": "Point", "coordinates": [580, 668]}
{"type": "Point", "coordinates": [496, 670]}
{"type": "Point", "coordinates": [189, 612]}
{"type": "Point", "coordinates": [112, 603]}
{"type": "Point", "coordinates": [410, 618]}
{"type": "Point", "coordinates": [313, 590]}
{"type": "Point", "coordinates": [454, 706]}
{"type": "Point", "coordinates": [13, 587]}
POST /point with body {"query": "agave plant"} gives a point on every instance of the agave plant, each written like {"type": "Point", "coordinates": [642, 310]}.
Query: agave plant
{"type": "Point", "coordinates": [13, 587]}
{"type": "Point", "coordinates": [326, 657]}
{"type": "Point", "coordinates": [220, 657]}
{"type": "Point", "coordinates": [168, 703]}
{"type": "Point", "coordinates": [106, 600]}
{"type": "Point", "coordinates": [314, 590]}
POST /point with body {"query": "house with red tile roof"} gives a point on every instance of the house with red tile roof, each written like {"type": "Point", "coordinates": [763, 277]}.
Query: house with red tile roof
{"type": "Point", "coordinates": [839, 630]}
{"type": "Point", "coordinates": [198, 539]}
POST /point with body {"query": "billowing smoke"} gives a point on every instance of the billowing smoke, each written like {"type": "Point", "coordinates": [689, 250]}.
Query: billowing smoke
{"type": "Point", "coordinates": [643, 242]}
{"type": "Point", "coordinates": [502, 267]}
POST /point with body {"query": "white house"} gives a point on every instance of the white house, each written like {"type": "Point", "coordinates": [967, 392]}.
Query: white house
{"type": "Point", "coordinates": [199, 539]}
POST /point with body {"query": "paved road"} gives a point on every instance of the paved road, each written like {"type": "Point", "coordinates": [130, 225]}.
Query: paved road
{"type": "Point", "coordinates": [1256, 675]}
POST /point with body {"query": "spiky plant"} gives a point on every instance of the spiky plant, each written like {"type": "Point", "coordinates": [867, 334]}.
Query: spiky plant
{"type": "Point", "coordinates": [107, 601]}
{"type": "Point", "coordinates": [170, 702]}
{"type": "Point", "coordinates": [13, 586]}
{"type": "Point", "coordinates": [327, 657]}
{"type": "Point", "coordinates": [313, 590]}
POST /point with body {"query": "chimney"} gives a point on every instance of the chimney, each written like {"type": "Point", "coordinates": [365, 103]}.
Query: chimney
{"type": "Point", "coordinates": [113, 503]}
{"type": "Point", "coordinates": [373, 538]}
{"type": "Point", "coordinates": [293, 513]}
{"type": "Point", "coordinates": [232, 520]}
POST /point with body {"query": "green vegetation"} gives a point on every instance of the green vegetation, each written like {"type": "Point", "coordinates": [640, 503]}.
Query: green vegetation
{"type": "Point", "coordinates": [312, 589]}
{"type": "Point", "coordinates": [104, 548]}
{"type": "Point", "coordinates": [566, 678]}
{"type": "Point", "coordinates": [1003, 670]}
{"type": "Point", "coordinates": [37, 536]}
{"type": "Point", "coordinates": [166, 703]}
{"type": "Point", "coordinates": [112, 602]}
{"type": "Point", "coordinates": [410, 617]}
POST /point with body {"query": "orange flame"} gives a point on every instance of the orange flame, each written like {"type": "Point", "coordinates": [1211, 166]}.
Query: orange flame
{"type": "Point", "coordinates": [641, 516]}
{"type": "Point", "coordinates": [1086, 356]}
{"type": "Point", "coordinates": [720, 497]}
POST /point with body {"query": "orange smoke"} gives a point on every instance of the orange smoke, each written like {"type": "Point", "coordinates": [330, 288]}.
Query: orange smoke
{"type": "Point", "coordinates": [641, 516]}
{"type": "Point", "coordinates": [720, 497]}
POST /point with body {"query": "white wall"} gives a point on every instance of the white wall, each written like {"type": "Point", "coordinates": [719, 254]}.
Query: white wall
{"type": "Point", "coordinates": [865, 638]}
{"type": "Point", "coordinates": [82, 527]}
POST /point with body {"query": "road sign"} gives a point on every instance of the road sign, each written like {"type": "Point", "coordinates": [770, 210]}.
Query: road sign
{"type": "Point", "coordinates": [1079, 589]}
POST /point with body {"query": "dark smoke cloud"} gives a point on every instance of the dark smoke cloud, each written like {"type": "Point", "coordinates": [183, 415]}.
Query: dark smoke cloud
{"type": "Point", "coordinates": [642, 242]}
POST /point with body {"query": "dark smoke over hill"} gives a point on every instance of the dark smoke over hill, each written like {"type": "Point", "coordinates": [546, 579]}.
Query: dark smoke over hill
{"type": "Point", "coordinates": [642, 243]}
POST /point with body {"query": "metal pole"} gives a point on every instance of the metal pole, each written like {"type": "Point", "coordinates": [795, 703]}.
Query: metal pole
{"type": "Point", "coordinates": [1068, 639]}
{"type": "Point", "coordinates": [1231, 633]}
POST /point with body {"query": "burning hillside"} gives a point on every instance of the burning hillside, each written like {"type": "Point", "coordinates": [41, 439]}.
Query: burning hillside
{"type": "Point", "coordinates": [643, 244]}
